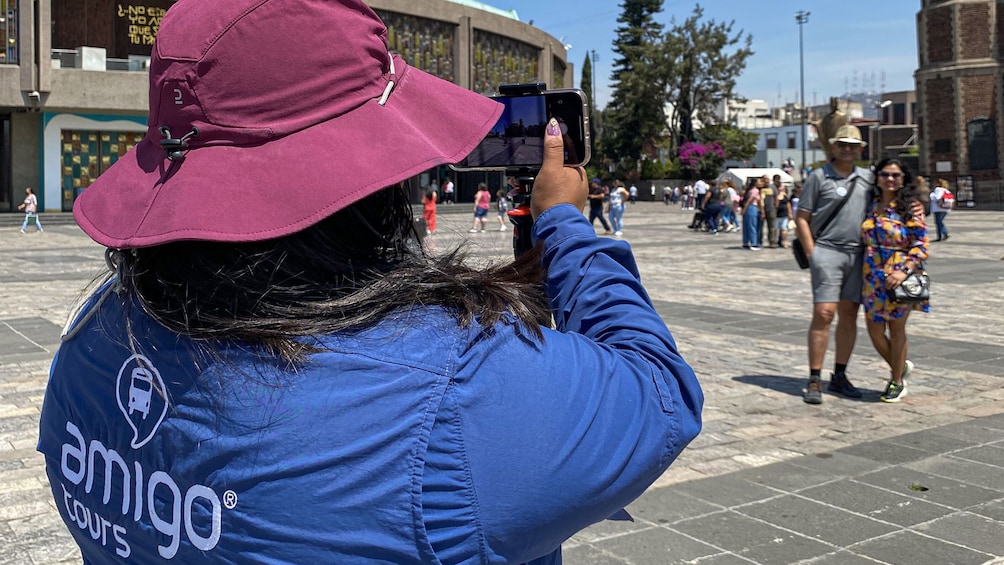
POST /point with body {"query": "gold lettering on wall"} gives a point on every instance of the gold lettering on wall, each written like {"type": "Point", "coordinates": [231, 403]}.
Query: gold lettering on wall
{"type": "Point", "coordinates": [142, 22]}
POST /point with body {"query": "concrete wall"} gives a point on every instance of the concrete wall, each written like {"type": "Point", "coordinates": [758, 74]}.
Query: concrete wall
{"type": "Point", "coordinates": [11, 94]}
{"type": "Point", "coordinates": [26, 155]}
{"type": "Point", "coordinates": [98, 92]}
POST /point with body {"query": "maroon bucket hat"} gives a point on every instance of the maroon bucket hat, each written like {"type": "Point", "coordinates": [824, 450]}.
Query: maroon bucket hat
{"type": "Point", "coordinates": [266, 116]}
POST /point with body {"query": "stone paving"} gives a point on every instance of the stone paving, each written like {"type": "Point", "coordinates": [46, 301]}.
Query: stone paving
{"type": "Point", "coordinates": [770, 479]}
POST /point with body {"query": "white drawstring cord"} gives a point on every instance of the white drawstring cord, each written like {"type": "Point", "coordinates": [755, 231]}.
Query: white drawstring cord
{"type": "Point", "coordinates": [390, 83]}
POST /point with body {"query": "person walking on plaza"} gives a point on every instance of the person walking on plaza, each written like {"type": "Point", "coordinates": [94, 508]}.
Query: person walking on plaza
{"type": "Point", "coordinates": [838, 193]}
{"type": "Point", "coordinates": [502, 204]}
{"type": "Point", "coordinates": [448, 190]}
{"type": "Point", "coordinates": [768, 208]}
{"type": "Point", "coordinates": [731, 207]}
{"type": "Point", "coordinates": [615, 207]}
{"type": "Point", "coordinates": [482, 202]}
{"type": "Point", "coordinates": [688, 197]}
{"type": "Point", "coordinates": [633, 194]}
{"type": "Point", "coordinates": [296, 381]}
{"type": "Point", "coordinates": [30, 207]}
{"type": "Point", "coordinates": [700, 190]}
{"type": "Point", "coordinates": [784, 214]}
{"type": "Point", "coordinates": [429, 210]}
{"type": "Point", "coordinates": [597, 196]}
{"type": "Point", "coordinates": [942, 203]}
{"type": "Point", "coordinates": [751, 215]}
{"type": "Point", "coordinates": [895, 243]}
{"type": "Point", "coordinates": [712, 206]}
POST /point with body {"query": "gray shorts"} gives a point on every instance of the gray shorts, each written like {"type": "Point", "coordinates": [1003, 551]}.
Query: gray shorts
{"type": "Point", "coordinates": [836, 275]}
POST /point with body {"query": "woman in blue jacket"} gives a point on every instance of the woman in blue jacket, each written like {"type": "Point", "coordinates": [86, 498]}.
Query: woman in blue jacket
{"type": "Point", "coordinates": [273, 371]}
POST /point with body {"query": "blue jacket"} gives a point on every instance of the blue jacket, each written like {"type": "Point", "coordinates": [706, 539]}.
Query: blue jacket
{"type": "Point", "coordinates": [415, 441]}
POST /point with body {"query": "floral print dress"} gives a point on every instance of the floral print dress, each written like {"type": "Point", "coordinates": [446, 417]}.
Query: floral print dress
{"type": "Point", "coordinates": [889, 242]}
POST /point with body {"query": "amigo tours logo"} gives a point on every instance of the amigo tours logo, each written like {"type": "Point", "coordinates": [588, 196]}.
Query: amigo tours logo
{"type": "Point", "coordinates": [118, 487]}
{"type": "Point", "coordinates": [142, 398]}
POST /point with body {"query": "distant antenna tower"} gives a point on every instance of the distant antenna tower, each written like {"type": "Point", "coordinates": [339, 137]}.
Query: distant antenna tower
{"type": "Point", "coordinates": [847, 87]}
{"type": "Point", "coordinates": [882, 85]}
{"type": "Point", "coordinates": [854, 81]}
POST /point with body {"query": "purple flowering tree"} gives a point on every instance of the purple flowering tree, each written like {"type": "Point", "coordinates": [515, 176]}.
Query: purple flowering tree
{"type": "Point", "coordinates": [702, 160]}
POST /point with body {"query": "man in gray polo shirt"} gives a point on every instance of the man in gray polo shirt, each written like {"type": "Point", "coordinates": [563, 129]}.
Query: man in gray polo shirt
{"type": "Point", "coordinates": [835, 256]}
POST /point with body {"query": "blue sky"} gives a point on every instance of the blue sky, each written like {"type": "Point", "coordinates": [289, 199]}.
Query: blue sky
{"type": "Point", "coordinates": [842, 40]}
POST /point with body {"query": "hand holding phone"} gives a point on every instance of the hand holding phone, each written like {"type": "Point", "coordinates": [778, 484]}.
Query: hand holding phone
{"type": "Point", "coordinates": [557, 183]}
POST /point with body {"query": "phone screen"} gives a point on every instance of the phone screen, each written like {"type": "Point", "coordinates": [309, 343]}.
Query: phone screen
{"type": "Point", "coordinates": [517, 139]}
{"type": "Point", "coordinates": [518, 136]}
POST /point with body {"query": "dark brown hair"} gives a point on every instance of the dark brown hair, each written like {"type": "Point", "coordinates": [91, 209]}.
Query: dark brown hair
{"type": "Point", "coordinates": [905, 195]}
{"type": "Point", "coordinates": [343, 274]}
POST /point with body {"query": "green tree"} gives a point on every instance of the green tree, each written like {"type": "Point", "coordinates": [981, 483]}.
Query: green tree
{"type": "Point", "coordinates": [635, 118]}
{"type": "Point", "coordinates": [699, 65]}
{"type": "Point", "coordinates": [736, 143]}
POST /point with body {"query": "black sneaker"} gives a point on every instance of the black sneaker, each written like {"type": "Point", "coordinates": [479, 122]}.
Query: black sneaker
{"type": "Point", "coordinates": [813, 392]}
{"type": "Point", "coordinates": [840, 385]}
{"type": "Point", "coordinates": [893, 392]}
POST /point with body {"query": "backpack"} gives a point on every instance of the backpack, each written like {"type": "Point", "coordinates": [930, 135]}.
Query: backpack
{"type": "Point", "coordinates": [947, 200]}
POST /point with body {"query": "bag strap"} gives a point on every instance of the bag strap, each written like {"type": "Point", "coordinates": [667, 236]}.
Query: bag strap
{"type": "Point", "coordinates": [837, 210]}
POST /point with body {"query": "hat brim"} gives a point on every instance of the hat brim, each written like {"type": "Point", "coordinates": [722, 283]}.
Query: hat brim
{"type": "Point", "coordinates": [265, 191]}
{"type": "Point", "coordinates": [847, 140]}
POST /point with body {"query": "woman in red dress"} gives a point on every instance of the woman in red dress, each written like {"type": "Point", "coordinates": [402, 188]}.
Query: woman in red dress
{"type": "Point", "coordinates": [429, 210]}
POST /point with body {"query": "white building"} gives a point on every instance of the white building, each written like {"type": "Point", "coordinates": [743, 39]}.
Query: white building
{"type": "Point", "coordinates": [783, 144]}
{"type": "Point", "coordinates": [747, 115]}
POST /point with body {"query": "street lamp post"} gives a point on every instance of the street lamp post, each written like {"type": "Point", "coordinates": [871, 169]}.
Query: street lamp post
{"type": "Point", "coordinates": [881, 106]}
{"type": "Point", "coordinates": [802, 17]}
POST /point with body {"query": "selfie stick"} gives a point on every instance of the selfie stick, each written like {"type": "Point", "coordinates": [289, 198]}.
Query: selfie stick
{"type": "Point", "coordinates": [520, 216]}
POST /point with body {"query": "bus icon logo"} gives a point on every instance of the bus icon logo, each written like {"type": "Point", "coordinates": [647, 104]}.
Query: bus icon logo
{"type": "Point", "coordinates": [140, 390]}
{"type": "Point", "coordinates": [141, 397]}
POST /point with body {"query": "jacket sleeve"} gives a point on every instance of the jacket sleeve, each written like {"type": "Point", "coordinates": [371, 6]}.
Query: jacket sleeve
{"type": "Point", "coordinates": [564, 433]}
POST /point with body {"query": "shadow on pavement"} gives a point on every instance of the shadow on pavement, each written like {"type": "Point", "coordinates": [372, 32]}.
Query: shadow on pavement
{"type": "Point", "coordinates": [795, 386]}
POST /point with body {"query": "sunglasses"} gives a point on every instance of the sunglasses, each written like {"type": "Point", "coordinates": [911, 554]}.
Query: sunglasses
{"type": "Point", "coordinates": [886, 175]}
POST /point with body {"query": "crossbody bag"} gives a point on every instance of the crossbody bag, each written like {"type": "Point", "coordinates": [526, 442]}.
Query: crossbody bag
{"type": "Point", "coordinates": [796, 246]}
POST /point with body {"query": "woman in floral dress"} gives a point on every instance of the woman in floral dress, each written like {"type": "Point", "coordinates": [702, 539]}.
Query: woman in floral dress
{"type": "Point", "coordinates": [895, 245]}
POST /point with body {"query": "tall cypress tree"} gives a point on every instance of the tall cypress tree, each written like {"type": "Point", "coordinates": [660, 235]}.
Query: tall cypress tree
{"type": "Point", "coordinates": [586, 86]}
{"type": "Point", "coordinates": [635, 118]}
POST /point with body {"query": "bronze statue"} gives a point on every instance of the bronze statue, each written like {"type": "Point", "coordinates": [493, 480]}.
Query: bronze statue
{"type": "Point", "coordinates": [828, 126]}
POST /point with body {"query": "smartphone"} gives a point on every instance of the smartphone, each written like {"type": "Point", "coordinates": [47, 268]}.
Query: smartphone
{"type": "Point", "coordinates": [517, 139]}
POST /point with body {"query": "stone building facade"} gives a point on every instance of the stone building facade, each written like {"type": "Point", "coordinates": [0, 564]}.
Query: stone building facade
{"type": "Point", "coordinates": [960, 93]}
{"type": "Point", "coordinates": [74, 82]}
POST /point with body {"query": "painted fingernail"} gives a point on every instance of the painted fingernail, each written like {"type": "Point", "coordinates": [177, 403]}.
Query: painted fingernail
{"type": "Point", "coordinates": [552, 127]}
